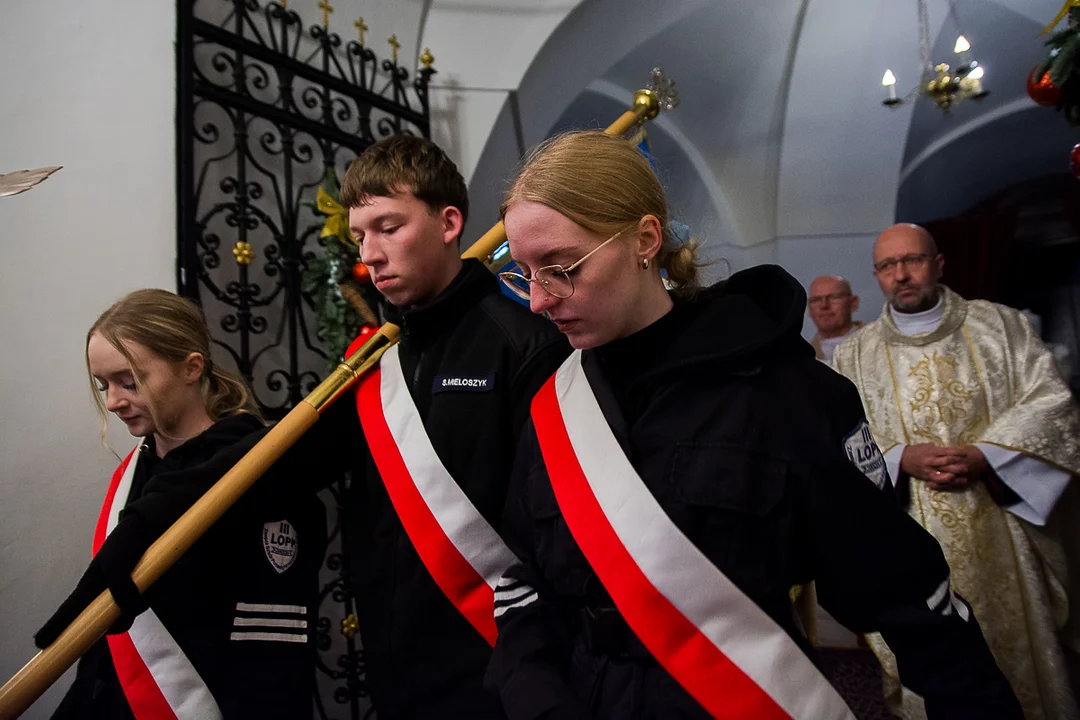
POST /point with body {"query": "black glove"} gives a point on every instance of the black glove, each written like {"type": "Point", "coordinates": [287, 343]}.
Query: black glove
{"type": "Point", "coordinates": [110, 569]}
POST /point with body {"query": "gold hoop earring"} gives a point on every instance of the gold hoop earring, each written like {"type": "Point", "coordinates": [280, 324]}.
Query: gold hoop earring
{"type": "Point", "coordinates": [644, 263]}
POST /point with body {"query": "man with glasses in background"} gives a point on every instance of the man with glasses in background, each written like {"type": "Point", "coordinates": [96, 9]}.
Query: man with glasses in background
{"type": "Point", "coordinates": [831, 305]}
{"type": "Point", "coordinates": [981, 437]}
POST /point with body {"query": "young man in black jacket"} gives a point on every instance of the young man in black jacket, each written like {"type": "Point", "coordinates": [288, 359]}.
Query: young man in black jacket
{"type": "Point", "coordinates": [472, 360]}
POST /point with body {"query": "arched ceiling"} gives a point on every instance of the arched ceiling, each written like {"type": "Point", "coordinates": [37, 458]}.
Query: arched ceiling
{"type": "Point", "coordinates": [781, 101]}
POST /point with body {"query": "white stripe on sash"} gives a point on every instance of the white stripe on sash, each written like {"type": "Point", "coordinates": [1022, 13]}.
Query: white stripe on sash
{"type": "Point", "coordinates": [174, 674]}
{"type": "Point", "coordinates": [122, 490]}
{"type": "Point", "coordinates": [459, 519]}
{"type": "Point", "coordinates": [730, 620]}
{"type": "Point", "coordinates": [172, 671]}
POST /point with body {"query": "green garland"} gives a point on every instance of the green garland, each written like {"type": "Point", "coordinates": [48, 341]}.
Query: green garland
{"type": "Point", "coordinates": [1063, 64]}
{"type": "Point", "coordinates": [342, 305]}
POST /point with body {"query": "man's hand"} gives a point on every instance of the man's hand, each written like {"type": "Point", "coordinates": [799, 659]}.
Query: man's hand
{"type": "Point", "coordinates": [971, 466]}
{"type": "Point", "coordinates": [944, 468]}
{"type": "Point", "coordinates": [938, 466]}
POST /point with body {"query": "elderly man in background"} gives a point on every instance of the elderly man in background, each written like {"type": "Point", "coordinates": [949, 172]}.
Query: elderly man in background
{"type": "Point", "coordinates": [831, 304]}
{"type": "Point", "coordinates": [981, 438]}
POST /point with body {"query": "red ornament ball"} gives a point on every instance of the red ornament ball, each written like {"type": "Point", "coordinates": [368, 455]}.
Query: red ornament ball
{"type": "Point", "coordinates": [365, 331]}
{"type": "Point", "coordinates": [1074, 160]}
{"type": "Point", "coordinates": [1041, 90]}
{"type": "Point", "coordinates": [360, 273]}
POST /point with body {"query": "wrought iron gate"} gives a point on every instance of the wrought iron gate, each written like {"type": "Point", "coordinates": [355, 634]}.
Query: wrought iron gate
{"type": "Point", "coordinates": [264, 109]}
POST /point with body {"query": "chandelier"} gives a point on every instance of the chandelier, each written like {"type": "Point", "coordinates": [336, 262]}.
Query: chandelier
{"type": "Point", "coordinates": [943, 83]}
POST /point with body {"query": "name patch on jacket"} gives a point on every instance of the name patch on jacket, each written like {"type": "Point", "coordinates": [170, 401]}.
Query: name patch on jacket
{"type": "Point", "coordinates": [467, 383]}
{"type": "Point", "coordinates": [863, 452]}
{"type": "Point", "coordinates": [280, 544]}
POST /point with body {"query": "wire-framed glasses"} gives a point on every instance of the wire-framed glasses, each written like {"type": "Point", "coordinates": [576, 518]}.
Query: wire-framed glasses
{"type": "Point", "coordinates": [554, 279]}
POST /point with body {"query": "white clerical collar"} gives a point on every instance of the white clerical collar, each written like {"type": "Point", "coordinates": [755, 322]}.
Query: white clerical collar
{"type": "Point", "coordinates": [829, 345]}
{"type": "Point", "coordinates": [920, 322]}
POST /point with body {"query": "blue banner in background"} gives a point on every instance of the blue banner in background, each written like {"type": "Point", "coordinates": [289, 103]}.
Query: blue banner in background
{"type": "Point", "coordinates": [640, 139]}
{"type": "Point", "coordinates": [500, 253]}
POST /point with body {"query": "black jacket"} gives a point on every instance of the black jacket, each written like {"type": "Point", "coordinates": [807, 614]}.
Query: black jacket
{"type": "Point", "coordinates": [741, 436]}
{"type": "Point", "coordinates": [423, 659]}
{"type": "Point", "coordinates": [200, 599]}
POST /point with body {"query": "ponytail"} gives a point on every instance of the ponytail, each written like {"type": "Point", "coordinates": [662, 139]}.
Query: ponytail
{"type": "Point", "coordinates": [226, 395]}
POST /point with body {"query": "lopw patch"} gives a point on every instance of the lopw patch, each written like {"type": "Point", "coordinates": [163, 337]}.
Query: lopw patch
{"type": "Point", "coordinates": [863, 452]}
{"type": "Point", "coordinates": [280, 544]}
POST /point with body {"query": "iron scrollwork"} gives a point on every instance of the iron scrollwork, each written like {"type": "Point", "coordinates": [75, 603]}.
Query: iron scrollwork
{"type": "Point", "coordinates": [264, 109]}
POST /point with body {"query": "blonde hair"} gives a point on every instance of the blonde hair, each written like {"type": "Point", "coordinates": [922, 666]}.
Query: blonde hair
{"type": "Point", "coordinates": [603, 183]}
{"type": "Point", "coordinates": [172, 328]}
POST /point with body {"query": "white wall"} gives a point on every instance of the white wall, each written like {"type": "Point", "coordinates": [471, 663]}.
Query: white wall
{"type": "Point", "coordinates": [88, 86]}
{"type": "Point", "coordinates": [850, 256]}
{"type": "Point", "coordinates": [482, 51]}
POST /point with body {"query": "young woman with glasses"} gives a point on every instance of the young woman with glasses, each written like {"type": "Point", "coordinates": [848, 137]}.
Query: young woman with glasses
{"type": "Point", "coordinates": [683, 470]}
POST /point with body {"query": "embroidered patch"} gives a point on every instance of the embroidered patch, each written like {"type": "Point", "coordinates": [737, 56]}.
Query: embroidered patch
{"type": "Point", "coordinates": [864, 454]}
{"type": "Point", "coordinates": [280, 544]}
{"type": "Point", "coordinates": [474, 383]}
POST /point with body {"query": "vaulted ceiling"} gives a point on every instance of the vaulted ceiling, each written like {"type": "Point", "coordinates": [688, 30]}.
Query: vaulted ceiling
{"type": "Point", "coordinates": [781, 133]}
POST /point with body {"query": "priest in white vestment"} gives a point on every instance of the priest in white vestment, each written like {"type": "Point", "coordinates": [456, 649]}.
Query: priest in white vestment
{"type": "Point", "coordinates": [981, 437]}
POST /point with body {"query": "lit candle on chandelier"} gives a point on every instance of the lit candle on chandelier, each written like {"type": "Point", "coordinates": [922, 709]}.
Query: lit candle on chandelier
{"type": "Point", "coordinates": [975, 77]}
{"type": "Point", "coordinates": [889, 81]}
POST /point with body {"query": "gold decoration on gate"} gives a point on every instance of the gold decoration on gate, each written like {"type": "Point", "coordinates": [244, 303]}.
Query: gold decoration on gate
{"type": "Point", "coordinates": [244, 253]}
{"type": "Point", "coordinates": [350, 625]}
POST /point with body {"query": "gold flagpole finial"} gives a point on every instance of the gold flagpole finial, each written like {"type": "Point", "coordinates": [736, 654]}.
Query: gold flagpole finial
{"type": "Point", "coordinates": [326, 8]}
{"type": "Point", "coordinates": [361, 28]}
{"type": "Point", "coordinates": [394, 45]}
{"type": "Point", "coordinates": [427, 59]}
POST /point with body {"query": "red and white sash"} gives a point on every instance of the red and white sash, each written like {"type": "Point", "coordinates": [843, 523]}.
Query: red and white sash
{"type": "Point", "coordinates": [463, 553]}
{"type": "Point", "coordinates": [159, 681]}
{"type": "Point", "coordinates": [714, 640]}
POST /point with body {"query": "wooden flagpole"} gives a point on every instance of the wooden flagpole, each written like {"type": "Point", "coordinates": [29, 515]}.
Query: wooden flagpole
{"type": "Point", "coordinates": [47, 666]}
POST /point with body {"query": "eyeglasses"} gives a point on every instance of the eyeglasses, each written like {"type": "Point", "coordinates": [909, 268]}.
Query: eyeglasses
{"type": "Point", "coordinates": [822, 300]}
{"type": "Point", "coordinates": [554, 279]}
{"type": "Point", "coordinates": [912, 260]}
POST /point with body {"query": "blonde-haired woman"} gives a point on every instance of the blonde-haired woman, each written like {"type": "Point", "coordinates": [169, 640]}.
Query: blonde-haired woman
{"type": "Point", "coordinates": [226, 632]}
{"type": "Point", "coordinates": [684, 468]}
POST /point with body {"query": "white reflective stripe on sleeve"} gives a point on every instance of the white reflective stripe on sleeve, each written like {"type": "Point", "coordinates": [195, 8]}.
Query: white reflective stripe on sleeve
{"type": "Point", "coordinates": [259, 607]}
{"type": "Point", "coordinates": [507, 595]}
{"type": "Point", "coordinates": [269, 622]}
{"type": "Point", "coordinates": [269, 636]}
{"type": "Point", "coordinates": [934, 601]}
{"type": "Point", "coordinates": [528, 600]}
{"type": "Point", "coordinates": [961, 607]}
